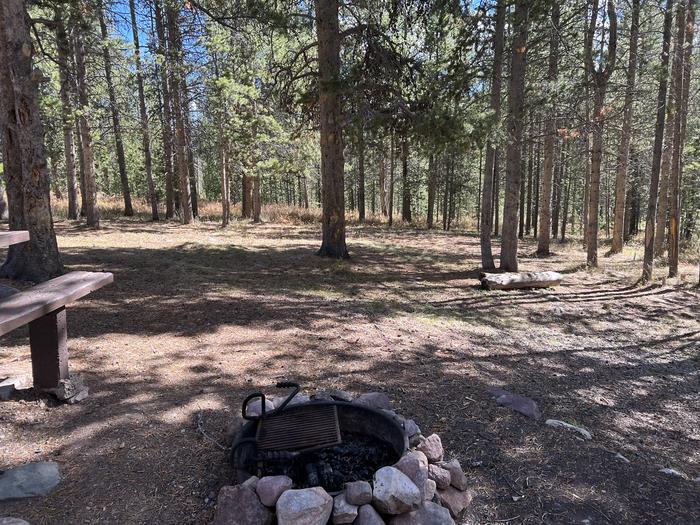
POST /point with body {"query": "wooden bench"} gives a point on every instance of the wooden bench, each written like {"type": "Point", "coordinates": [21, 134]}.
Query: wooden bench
{"type": "Point", "coordinates": [43, 308]}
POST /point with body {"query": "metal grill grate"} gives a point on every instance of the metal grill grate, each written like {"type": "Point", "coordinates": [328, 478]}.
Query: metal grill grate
{"type": "Point", "coordinates": [303, 428]}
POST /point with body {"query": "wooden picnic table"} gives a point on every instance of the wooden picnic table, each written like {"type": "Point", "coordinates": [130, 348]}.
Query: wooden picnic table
{"type": "Point", "coordinates": [8, 238]}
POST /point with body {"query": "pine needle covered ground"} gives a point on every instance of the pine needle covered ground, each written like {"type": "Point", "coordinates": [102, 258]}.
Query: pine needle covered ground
{"type": "Point", "coordinates": [199, 316]}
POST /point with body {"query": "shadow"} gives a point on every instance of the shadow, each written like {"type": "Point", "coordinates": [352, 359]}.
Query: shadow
{"type": "Point", "coordinates": [197, 318]}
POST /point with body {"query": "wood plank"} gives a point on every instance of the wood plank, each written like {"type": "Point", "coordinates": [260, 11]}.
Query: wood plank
{"type": "Point", "coordinates": [24, 307]}
{"type": "Point", "coordinates": [13, 237]}
{"type": "Point", "coordinates": [515, 280]}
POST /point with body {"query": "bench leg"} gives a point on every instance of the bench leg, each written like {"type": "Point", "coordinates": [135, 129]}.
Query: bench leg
{"type": "Point", "coordinates": [49, 343]}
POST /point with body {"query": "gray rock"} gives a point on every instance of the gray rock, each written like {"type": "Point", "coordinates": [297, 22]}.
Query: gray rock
{"type": "Point", "coordinates": [419, 456]}
{"type": "Point", "coordinates": [7, 388]}
{"type": "Point", "coordinates": [429, 514]}
{"type": "Point", "coordinates": [251, 482]}
{"type": "Point", "coordinates": [343, 512]}
{"type": "Point", "coordinates": [439, 475]}
{"type": "Point", "coordinates": [415, 440]}
{"type": "Point", "coordinates": [304, 507]}
{"type": "Point", "coordinates": [358, 492]}
{"type": "Point", "coordinates": [321, 395]}
{"type": "Point", "coordinates": [367, 515]}
{"type": "Point", "coordinates": [341, 395]}
{"type": "Point", "coordinates": [71, 390]}
{"type": "Point", "coordinates": [521, 404]}
{"type": "Point", "coordinates": [13, 521]}
{"type": "Point", "coordinates": [429, 490]}
{"type": "Point", "coordinates": [432, 448]}
{"type": "Point", "coordinates": [415, 469]}
{"type": "Point", "coordinates": [270, 488]}
{"type": "Point", "coordinates": [254, 408]}
{"type": "Point", "coordinates": [298, 399]}
{"type": "Point", "coordinates": [394, 492]}
{"type": "Point", "coordinates": [458, 478]}
{"type": "Point", "coordinates": [240, 505]}
{"type": "Point", "coordinates": [411, 428]}
{"type": "Point", "coordinates": [377, 400]}
{"type": "Point", "coordinates": [454, 500]}
{"type": "Point", "coordinates": [26, 481]}
{"type": "Point", "coordinates": [561, 424]}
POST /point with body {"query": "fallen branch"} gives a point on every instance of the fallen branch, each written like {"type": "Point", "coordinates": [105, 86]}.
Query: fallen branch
{"type": "Point", "coordinates": [510, 281]}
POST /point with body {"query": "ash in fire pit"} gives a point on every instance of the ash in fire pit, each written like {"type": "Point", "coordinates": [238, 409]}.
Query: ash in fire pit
{"type": "Point", "coordinates": [358, 457]}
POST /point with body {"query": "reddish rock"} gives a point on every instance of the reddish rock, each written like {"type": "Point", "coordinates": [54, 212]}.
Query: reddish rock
{"type": "Point", "coordinates": [429, 514]}
{"type": "Point", "coordinates": [270, 488]}
{"type": "Point", "coordinates": [415, 470]}
{"type": "Point", "coordinates": [458, 478]}
{"type": "Point", "coordinates": [454, 500]}
{"type": "Point", "coordinates": [358, 492]}
{"type": "Point", "coordinates": [239, 505]}
{"type": "Point", "coordinates": [439, 475]}
{"type": "Point", "coordinates": [432, 448]}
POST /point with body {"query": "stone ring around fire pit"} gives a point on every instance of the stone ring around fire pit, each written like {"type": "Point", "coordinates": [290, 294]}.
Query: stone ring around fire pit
{"type": "Point", "coordinates": [369, 476]}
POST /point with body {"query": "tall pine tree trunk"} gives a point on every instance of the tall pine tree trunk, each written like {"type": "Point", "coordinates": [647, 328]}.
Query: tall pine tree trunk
{"type": "Point", "coordinates": [405, 182]}
{"type": "Point", "coordinates": [88, 160]}
{"type": "Point", "coordinates": [550, 128]}
{"type": "Point", "coordinates": [361, 174]}
{"type": "Point", "coordinates": [431, 191]}
{"type": "Point", "coordinates": [624, 150]}
{"type": "Point", "coordinates": [600, 76]}
{"type": "Point", "coordinates": [486, 221]}
{"type": "Point", "coordinates": [116, 121]}
{"type": "Point", "coordinates": [167, 130]}
{"type": "Point", "coordinates": [62, 54]}
{"type": "Point", "coordinates": [175, 67]}
{"type": "Point", "coordinates": [145, 129]}
{"type": "Point", "coordinates": [392, 169]}
{"type": "Point", "coordinates": [23, 154]}
{"type": "Point", "coordinates": [649, 231]}
{"type": "Point", "coordinates": [674, 212]}
{"type": "Point", "coordinates": [330, 114]}
{"type": "Point", "coordinates": [516, 114]}
{"type": "Point", "coordinates": [383, 194]}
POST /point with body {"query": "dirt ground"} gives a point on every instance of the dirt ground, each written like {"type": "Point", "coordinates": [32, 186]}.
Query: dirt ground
{"type": "Point", "coordinates": [198, 317]}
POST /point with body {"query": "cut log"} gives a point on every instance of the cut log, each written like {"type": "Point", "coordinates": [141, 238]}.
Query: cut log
{"type": "Point", "coordinates": [515, 280]}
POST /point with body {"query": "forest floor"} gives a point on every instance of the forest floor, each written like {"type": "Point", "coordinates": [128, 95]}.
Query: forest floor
{"type": "Point", "coordinates": [198, 317]}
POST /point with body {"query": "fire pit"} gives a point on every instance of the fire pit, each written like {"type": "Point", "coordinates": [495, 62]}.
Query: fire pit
{"type": "Point", "coordinates": [302, 460]}
{"type": "Point", "coordinates": [321, 443]}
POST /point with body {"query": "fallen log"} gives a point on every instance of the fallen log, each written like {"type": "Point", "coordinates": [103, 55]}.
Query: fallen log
{"type": "Point", "coordinates": [515, 280]}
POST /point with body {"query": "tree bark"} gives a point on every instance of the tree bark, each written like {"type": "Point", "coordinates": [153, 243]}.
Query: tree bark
{"type": "Point", "coordinates": [545, 218]}
{"type": "Point", "coordinates": [682, 92]}
{"type": "Point", "coordinates": [361, 174]}
{"type": "Point", "coordinates": [658, 142]}
{"type": "Point", "coordinates": [247, 198]}
{"type": "Point", "coordinates": [167, 129]}
{"type": "Point", "coordinates": [392, 169]}
{"type": "Point", "coordinates": [516, 113]}
{"type": "Point", "coordinates": [88, 164]}
{"type": "Point", "coordinates": [145, 128]}
{"type": "Point", "coordinates": [24, 155]}
{"type": "Point", "coordinates": [175, 71]}
{"type": "Point", "coordinates": [67, 116]}
{"type": "Point", "coordinates": [330, 112]}
{"type": "Point", "coordinates": [486, 220]}
{"type": "Point", "coordinates": [406, 215]}
{"type": "Point", "coordinates": [624, 150]}
{"type": "Point", "coordinates": [600, 77]}
{"type": "Point", "coordinates": [382, 180]}
{"type": "Point", "coordinates": [256, 198]}
{"type": "Point", "coordinates": [116, 121]}
{"type": "Point", "coordinates": [431, 191]}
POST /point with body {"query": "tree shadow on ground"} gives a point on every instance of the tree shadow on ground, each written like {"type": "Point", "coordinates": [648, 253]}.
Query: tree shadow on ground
{"type": "Point", "coordinates": [192, 327]}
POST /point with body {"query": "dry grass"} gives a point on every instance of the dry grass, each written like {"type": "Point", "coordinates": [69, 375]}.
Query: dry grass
{"type": "Point", "coordinates": [199, 316]}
